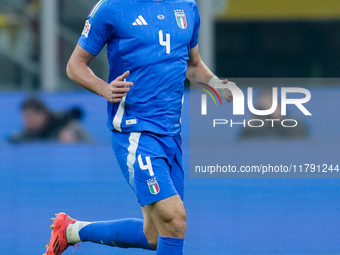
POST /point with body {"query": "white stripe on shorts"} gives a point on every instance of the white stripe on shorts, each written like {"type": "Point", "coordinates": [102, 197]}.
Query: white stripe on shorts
{"type": "Point", "coordinates": [131, 158]}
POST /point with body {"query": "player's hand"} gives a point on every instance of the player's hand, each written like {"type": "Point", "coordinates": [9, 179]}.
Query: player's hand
{"type": "Point", "coordinates": [222, 89]}
{"type": "Point", "coordinates": [227, 95]}
{"type": "Point", "coordinates": [118, 88]}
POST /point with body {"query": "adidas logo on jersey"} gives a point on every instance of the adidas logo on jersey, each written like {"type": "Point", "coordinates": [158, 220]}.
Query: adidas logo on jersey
{"type": "Point", "coordinates": [140, 21]}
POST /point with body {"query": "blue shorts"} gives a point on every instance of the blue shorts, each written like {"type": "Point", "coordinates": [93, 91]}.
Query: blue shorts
{"type": "Point", "coordinates": [151, 164]}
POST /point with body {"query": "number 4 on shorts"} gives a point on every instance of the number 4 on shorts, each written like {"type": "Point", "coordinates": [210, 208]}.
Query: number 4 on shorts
{"type": "Point", "coordinates": [148, 165]}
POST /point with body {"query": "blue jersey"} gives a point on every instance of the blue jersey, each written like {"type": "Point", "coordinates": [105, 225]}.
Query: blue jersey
{"type": "Point", "coordinates": [151, 39]}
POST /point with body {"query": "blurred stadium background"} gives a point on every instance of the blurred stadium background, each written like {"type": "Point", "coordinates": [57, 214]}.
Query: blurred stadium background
{"type": "Point", "coordinates": [239, 39]}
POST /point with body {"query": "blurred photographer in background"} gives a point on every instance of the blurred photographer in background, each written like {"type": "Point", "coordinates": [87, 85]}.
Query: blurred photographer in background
{"type": "Point", "coordinates": [41, 124]}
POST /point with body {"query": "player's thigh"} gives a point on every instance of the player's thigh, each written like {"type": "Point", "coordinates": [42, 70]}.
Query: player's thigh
{"type": "Point", "coordinates": [152, 177]}
{"type": "Point", "coordinates": [145, 160]}
{"type": "Point", "coordinates": [124, 146]}
{"type": "Point", "coordinates": [176, 172]}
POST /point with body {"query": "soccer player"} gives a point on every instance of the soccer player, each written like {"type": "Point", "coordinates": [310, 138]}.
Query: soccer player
{"type": "Point", "coordinates": [151, 48]}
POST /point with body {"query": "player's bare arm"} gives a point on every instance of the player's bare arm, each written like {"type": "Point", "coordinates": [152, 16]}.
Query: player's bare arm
{"type": "Point", "coordinates": [78, 70]}
{"type": "Point", "coordinates": [197, 70]}
{"type": "Point", "coordinates": [196, 67]}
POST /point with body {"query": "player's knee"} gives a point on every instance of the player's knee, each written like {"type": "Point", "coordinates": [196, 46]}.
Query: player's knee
{"type": "Point", "coordinates": [176, 226]}
{"type": "Point", "coordinates": [179, 227]}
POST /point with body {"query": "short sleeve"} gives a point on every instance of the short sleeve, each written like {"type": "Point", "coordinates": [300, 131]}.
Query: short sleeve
{"type": "Point", "coordinates": [194, 38]}
{"type": "Point", "coordinates": [97, 29]}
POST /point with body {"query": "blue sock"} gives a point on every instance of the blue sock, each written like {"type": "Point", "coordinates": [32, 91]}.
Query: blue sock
{"type": "Point", "coordinates": [169, 246]}
{"type": "Point", "coordinates": [125, 233]}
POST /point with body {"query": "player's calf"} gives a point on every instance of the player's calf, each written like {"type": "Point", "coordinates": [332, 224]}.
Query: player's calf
{"type": "Point", "coordinates": [150, 229]}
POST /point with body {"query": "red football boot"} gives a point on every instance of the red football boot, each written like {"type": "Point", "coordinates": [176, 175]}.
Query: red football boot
{"type": "Point", "coordinates": [58, 242]}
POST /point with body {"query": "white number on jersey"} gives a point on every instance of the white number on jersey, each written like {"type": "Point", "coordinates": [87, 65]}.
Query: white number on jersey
{"type": "Point", "coordinates": [165, 43]}
{"type": "Point", "coordinates": [148, 165]}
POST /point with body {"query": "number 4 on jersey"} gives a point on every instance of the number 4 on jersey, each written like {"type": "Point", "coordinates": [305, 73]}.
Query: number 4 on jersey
{"type": "Point", "coordinates": [165, 43]}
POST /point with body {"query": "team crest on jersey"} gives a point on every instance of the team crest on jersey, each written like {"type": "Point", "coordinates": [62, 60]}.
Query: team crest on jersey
{"type": "Point", "coordinates": [86, 29]}
{"type": "Point", "coordinates": [181, 19]}
{"type": "Point", "coordinates": [153, 186]}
